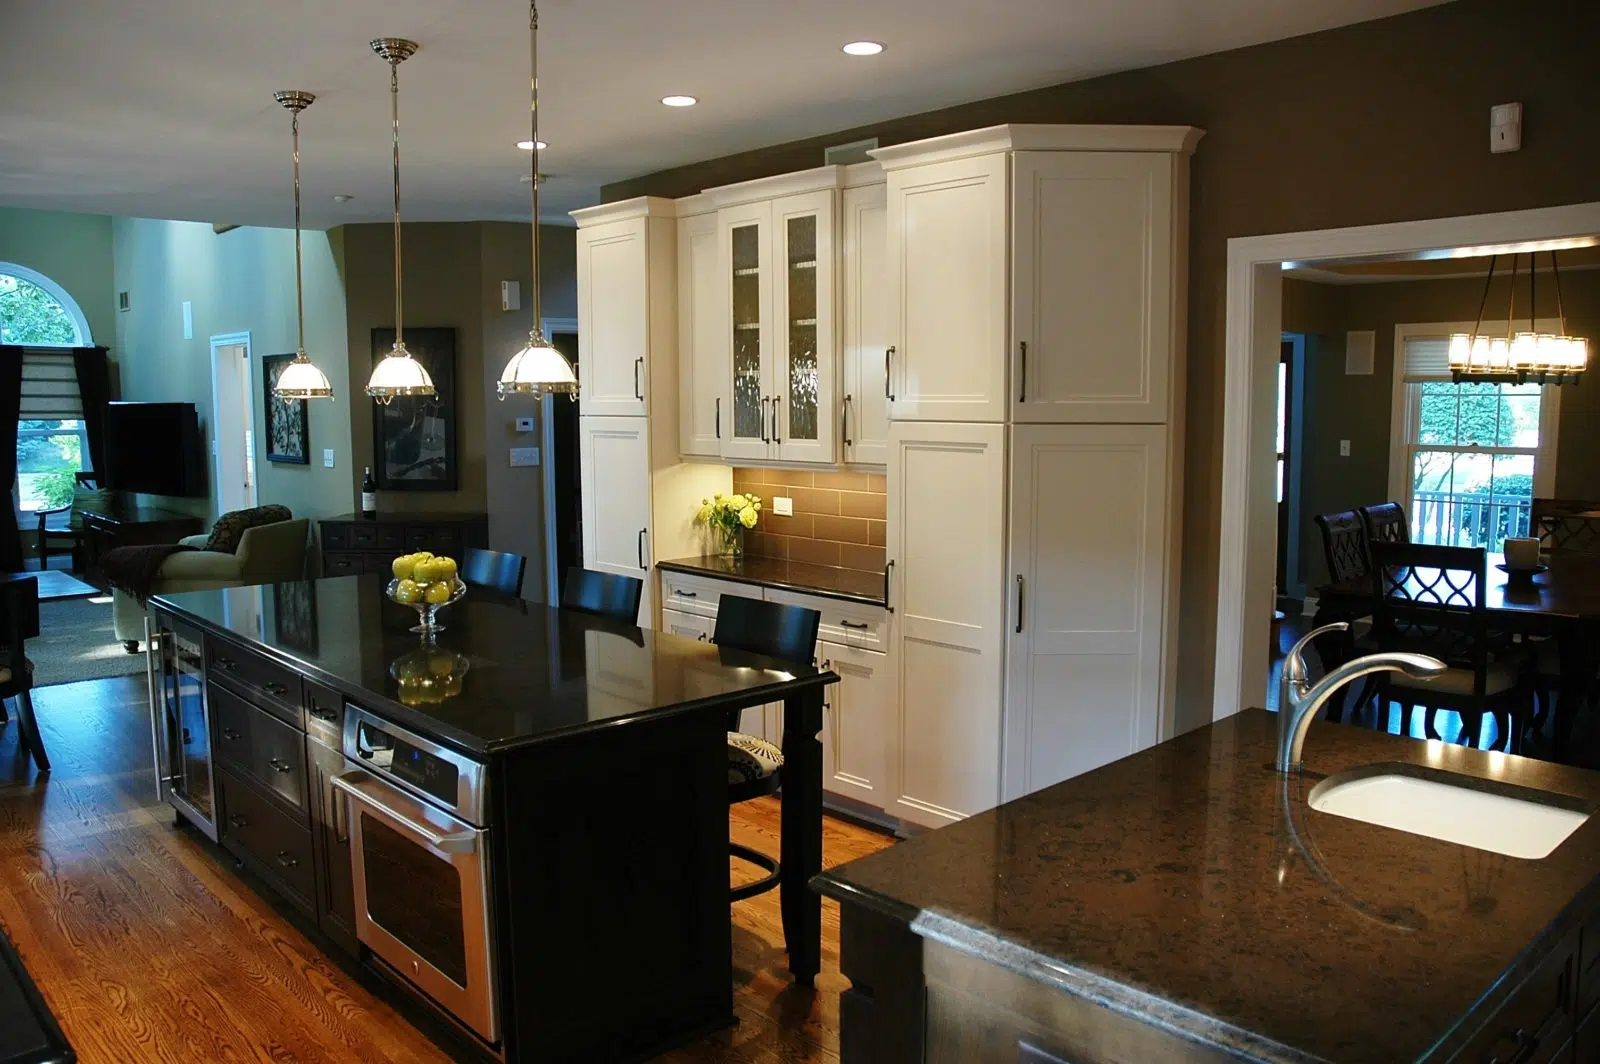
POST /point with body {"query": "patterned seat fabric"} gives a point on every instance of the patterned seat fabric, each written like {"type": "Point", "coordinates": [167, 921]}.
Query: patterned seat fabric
{"type": "Point", "coordinates": [750, 758]}
{"type": "Point", "coordinates": [231, 527]}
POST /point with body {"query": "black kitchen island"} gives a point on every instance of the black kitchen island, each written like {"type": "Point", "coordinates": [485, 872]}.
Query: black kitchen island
{"type": "Point", "coordinates": [523, 821]}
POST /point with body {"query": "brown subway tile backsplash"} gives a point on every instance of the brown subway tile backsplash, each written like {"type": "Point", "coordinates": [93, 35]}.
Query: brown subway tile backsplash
{"type": "Point", "coordinates": [839, 518]}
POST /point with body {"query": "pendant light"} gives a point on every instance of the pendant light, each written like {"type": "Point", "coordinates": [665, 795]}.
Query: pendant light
{"type": "Point", "coordinates": [397, 374]}
{"type": "Point", "coordinates": [538, 367]}
{"type": "Point", "coordinates": [300, 379]}
{"type": "Point", "coordinates": [1520, 357]}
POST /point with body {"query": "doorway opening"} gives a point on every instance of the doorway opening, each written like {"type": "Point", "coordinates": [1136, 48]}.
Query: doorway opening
{"type": "Point", "coordinates": [232, 423]}
{"type": "Point", "coordinates": [563, 491]}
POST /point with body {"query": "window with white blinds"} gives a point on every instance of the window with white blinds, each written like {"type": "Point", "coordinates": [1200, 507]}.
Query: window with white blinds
{"type": "Point", "coordinates": [49, 385]}
{"type": "Point", "coordinates": [1425, 358]}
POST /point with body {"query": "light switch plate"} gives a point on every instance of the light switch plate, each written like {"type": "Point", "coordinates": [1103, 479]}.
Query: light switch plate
{"type": "Point", "coordinates": [783, 506]}
{"type": "Point", "coordinates": [327, 458]}
{"type": "Point", "coordinates": [1344, 448]}
{"type": "Point", "coordinates": [524, 456]}
{"type": "Point", "coordinates": [188, 320]}
{"type": "Point", "coordinates": [524, 424]}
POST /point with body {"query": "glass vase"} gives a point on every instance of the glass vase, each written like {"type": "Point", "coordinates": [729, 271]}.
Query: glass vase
{"type": "Point", "coordinates": [730, 541]}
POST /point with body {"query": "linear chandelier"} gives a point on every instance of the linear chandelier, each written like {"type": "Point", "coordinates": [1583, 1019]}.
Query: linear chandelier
{"type": "Point", "coordinates": [300, 379]}
{"type": "Point", "coordinates": [538, 367]}
{"type": "Point", "coordinates": [1520, 357]}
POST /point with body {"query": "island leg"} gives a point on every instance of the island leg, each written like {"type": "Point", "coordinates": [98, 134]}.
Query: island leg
{"type": "Point", "coordinates": [801, 856]}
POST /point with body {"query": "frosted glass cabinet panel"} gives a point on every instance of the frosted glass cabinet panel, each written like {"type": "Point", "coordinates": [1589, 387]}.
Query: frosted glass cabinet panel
{"type": "Point", "coordinates": [746, 260]}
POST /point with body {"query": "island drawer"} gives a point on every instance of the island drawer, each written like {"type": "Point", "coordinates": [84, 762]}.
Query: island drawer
{"type": "Point", "coordinates": [1534, 1025]}
{"type": "Point", "coordinates": [268, 685]}
{"type": "Point", "coordinates": [266, 839]}
{"type": "Point", "coordinates": [260, 746]}
{"type": "Point", "coordinates": [1589, 968]}
{"type": "Point", "coordinates": [326, 705]}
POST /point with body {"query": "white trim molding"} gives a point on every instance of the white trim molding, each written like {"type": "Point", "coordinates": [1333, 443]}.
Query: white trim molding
{"type": "Point", "coordinates": [1247, 547]}
{"type": "Point", "coordinates": [60, 295]}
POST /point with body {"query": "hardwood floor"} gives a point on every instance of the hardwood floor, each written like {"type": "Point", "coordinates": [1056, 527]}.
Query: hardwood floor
{"type": "Point", "coordinates": [149, 948]}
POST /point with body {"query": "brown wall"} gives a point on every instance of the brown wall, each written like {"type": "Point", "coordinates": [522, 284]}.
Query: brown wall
{"type": "Point", "coordinates": [1358, 408]}
{"type": "Point", "coordinates": [1378, 122]}
{"type": "Point", "coordinates": [839, 518]}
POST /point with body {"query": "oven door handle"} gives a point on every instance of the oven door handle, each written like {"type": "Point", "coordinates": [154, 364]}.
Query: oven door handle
{"type": "Point", "coordinates": [359, 786]}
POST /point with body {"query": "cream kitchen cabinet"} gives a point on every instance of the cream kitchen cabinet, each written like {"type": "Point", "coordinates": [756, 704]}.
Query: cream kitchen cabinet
{"type": "Point", "coordinates": [700, 324]}
{"type": "Point", "coordinates": [866, 326]}
{"type": "Point", "coordinates": [614, 471]}
{"type": "Point", "coordinates": [1091, 613]}
{"type": "Point", "coordinates": [946, 535]}
{"type": "Point", "coordinates": [627, 259]}
{"type": "Point", "coordinates": [854, 745]}
{"type": "Point", "coordinates": [1036, 273]}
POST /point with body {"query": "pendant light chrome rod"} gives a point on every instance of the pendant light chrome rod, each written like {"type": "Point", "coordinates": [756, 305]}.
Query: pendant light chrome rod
{"type": "Point", "coordinates": [533, 109]}
{"type": "Point", "coordinates": [300, 379]}
{"type": "Point", "coordinates": [299, 264]}
{"type": "Point", "coordinates": [396, 50]}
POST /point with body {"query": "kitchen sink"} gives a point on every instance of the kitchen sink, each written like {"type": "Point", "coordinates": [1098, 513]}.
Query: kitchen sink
{"type": "Point", "coordinates": [1451, 807]}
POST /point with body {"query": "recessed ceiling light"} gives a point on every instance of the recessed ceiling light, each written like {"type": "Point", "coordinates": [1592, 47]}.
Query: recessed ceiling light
{"type": "Point", "coordinates": [679, 101]}
{"type": "Point", "coordinates": [343, 197]}
{"type": "Point", "coordinates": [863, 48]}
{"type": "Point", "coordinates": [527, 145]}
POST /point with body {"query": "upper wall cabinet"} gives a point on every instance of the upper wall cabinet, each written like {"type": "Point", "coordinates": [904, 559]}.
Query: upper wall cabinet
{"type": "Point", "coordinates": [1036, 273]}
{"type": "Point", "coordinates": [702, 419]}
{"type": "Point", "coordinates": [866, 325]}
{"type": "Point", "coordinates": [626, 305]}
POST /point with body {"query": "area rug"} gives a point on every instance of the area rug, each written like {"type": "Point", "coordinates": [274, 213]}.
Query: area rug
{"type": "Point", "coordinates": [76, 642]}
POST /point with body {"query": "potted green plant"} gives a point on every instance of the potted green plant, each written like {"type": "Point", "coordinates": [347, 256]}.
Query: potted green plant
{"type": "Point", "coordinates": [727, 517]}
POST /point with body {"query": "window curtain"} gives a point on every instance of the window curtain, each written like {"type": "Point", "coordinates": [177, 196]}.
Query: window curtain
{"type": "Point", "coordinates": [94, 390]}
{"type": "Point", "coordinates": [10, 406]}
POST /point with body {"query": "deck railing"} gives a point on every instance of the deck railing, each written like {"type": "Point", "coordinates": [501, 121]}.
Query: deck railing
{"type": "Point", "coordinates": [1468, 519]}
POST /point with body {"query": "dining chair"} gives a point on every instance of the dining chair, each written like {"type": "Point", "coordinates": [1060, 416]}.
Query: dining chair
{"type": "Point", "coordinates": [606, 594]}
{"type": "Point", "coordinates": [1432, 599]}
{"type": "Point", "coordinates": [1565, 526]}
{"type": "Point", "coordinates": [19, 622]}
{"type": "Point", "coordinates": [755, 766]}
{"type": "Point", "coordinates": [1385, 523]}
{"type": "Point", "coordinates": [1344, 550]}
{"type": "Point", "coordinates": [493, 569]}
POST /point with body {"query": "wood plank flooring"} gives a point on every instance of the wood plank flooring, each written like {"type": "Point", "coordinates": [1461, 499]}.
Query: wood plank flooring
{"type": "Point", "coordinates": [148, 948]}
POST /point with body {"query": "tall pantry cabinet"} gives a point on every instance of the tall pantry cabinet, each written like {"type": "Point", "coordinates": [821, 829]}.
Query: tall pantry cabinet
{"type": "Point", "coordinates": [639, 498]}
{"type": "Point", "coordinates": [1036, 286]}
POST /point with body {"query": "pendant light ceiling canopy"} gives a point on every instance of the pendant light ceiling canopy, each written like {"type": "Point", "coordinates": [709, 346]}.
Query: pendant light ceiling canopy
{"type": "Point", "coordinates": [397, 373]}
{"type": "Point", "coordinates": [1520, 357]}
{"type": "Point", "coordinates": [538, 367]}
{"type": "Point", "coordinates": [300, 379]}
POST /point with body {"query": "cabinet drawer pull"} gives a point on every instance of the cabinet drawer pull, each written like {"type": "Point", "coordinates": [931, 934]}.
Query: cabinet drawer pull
{"type": "Point", "coordinates": [685, 594]}
{"type": "Point", "coordinates": [274, 688]}
{"type": "Point", "coordinates": [1525, 1046]}
{"type": "Point", "coordinates": [230, 734]}
{"type": "Point", "coordinates": [854, 624]}
{"type": "Point", "coordinates": [225, 664]}
{"type": "Point", "coordinates": [888, 360]}
{"type": "Point", "coordinates": [719, 417]}
{"type": "Point", "coordinates": [844, 423]}
{"type": "Point", "coordinates": [286, 859]}
{"type": "Point", "coordinates": [280, 766]}
{"type": "Point", "coordinates": [323, 712]}
{"type": "Point", "coordinates": [237, 821]}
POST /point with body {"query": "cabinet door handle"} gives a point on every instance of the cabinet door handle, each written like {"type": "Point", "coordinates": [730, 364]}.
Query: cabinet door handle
{"type": "Point", "coordinates": [776, 436]}
{"type": "Point", "coordinates": [237, 821]}
{"type": "Point", "coordinates": [764, 437]}
{"type": "Point", "coordinates": [225, 664]}
{"type": "Point", "coordinates": [703, 637]}
{"type": "Point", "coordinates": [888, 567]}
{"type": "Point", "coordinates": [286, 860]}
{"type": "Point", "coordinates": [888, 361]}
{"type": "Point", "coordinates": [280, 766]}
{"type": "Point", "coordinates": [1020, 590]}
{"type": "Point", "coordinates": [274, 688]}
{"type": "Point", "coordinates": [1022, 375]}
{"type": "Point", "coordinates": [844, 423]}
{"type": "Point", "coordinates": [638, 367]}
{"type": "Point", "coordinates": [229, 734]}
{"type": "Point", "coordinates": [719, 417]}
{"type": "Point", "coordinates": [324, 713]}
{"type": "Point", "coordinates": [642, 565]}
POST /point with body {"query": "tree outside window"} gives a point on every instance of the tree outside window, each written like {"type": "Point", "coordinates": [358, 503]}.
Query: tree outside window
{"type": "Point", "coordinates": [35, 312]}
{"type": "Point", "coordinates": [31, 315]}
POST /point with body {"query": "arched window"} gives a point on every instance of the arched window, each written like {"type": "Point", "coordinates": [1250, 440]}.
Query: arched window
{"type": "Point", "coordinates": [34, 310]}
{"type": "Point", "coordinates": [52, 446]}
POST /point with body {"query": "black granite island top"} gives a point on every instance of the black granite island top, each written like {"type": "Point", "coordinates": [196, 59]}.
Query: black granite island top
{"type": "Point", "coordinates": [1170, 886]}
{"type": "Point", "coordinates": [535, 673]}
{"type": "Point", "coordinates": [829, 581]}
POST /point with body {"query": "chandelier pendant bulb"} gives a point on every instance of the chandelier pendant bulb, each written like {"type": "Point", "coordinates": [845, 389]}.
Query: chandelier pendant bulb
{"type": "Point", "coordinates": [300, 379]}
{"type": "Point", "coordinates": [1531, 357]}
{"type": "Point", "coordinates": [397, 374]}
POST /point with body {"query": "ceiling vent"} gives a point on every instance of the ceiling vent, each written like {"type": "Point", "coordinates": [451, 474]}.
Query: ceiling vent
{"type": "Point", "coordinates": [845, 154]}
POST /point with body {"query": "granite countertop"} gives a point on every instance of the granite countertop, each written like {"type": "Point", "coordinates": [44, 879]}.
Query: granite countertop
{"type": "Point", "coordinates": [534, 673]}
{"type": "Point", "coordinates": [830, 581]}
{"type": "Point", "coordinates": [1168, 885]}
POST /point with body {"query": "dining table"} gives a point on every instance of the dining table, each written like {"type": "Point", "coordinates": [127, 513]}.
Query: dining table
{"type": "Point", "coordinates": [1560, 601]}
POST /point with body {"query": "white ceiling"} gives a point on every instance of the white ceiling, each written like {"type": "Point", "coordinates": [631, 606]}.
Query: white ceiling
{"type": "Point", "coordinates": [163, 108]}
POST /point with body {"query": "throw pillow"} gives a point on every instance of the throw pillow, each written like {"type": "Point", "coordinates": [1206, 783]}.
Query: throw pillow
{"type": "Point", "coordinates": [230, 527]}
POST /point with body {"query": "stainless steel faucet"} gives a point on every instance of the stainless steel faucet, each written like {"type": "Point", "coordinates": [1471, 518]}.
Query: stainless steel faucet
{"type": "Point", "coordinates": [1299, 700]}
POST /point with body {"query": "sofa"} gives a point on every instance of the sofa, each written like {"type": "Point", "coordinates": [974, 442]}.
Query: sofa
{"type": "Point", "coordinates": [267, 554]}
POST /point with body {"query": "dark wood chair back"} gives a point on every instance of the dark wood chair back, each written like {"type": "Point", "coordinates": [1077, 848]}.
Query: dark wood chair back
{"type": "Point", "coordinates": [606, 594]}
{"type": "Point", "coordinates": [1344, 545]}
{"type": "Point", "coordinates": [1386, 523]}
{"type": "Point", "coordinates": [772, 629]}
{"type": "Point", "coordinates": [493, 569]}
{"type": "Point", "coordinates": [19, 622]}
{"type": "Point", "coordinates": [1566, 526]}
{"type": "Point", "coordinates": [1433, 599]}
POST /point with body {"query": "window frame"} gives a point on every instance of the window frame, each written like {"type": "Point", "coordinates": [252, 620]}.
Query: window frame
{"type": "Point", "coordinates": [85, 465]}
{"type": "Point", "coordinates": [80, 323]}
{"type": "Point", "coordinates": [1405, 414]}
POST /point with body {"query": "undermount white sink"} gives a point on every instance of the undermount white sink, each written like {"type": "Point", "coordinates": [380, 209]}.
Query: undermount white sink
{"type": "Point", "coordinates": [1514, 821]}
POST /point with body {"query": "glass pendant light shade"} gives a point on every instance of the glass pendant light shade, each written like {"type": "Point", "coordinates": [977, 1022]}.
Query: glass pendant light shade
{"type": "Point", "coordinates": [397, 375]}
{"type": "Point", "coordinates": [536, 369]}
{"type": "Point", "coordinates": [301, 379]}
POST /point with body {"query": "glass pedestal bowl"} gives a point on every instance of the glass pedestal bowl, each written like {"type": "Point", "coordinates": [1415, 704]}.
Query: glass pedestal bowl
{"type": "Point", "coordinates": [428, 612]}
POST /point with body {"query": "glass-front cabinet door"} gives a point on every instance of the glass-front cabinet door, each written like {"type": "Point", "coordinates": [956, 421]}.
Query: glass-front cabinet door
{"type": "Point", "coordinates": [744, 238]}
{"type": "Point", "coordinates": [803, 351]}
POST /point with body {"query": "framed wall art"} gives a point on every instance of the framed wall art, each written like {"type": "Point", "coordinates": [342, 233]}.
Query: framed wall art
{"type": "Point", "coordinates": [288, 432]}
{"type": "Point", "coordinates": [414, 439]}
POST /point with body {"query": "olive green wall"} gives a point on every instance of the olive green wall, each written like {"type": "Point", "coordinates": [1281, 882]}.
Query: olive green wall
{"type": "Point", "coordinates": [1377, 122]}
{"type": "Point", "coordinates": [74, 251]}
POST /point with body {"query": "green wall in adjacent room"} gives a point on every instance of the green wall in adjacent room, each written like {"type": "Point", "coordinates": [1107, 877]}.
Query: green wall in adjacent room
{"type": "Point", "coordinates": [74, 251]}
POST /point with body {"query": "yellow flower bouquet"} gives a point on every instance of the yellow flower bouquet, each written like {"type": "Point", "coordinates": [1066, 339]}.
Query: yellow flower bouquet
{"type": "Point", "coordinates": [727, 516]}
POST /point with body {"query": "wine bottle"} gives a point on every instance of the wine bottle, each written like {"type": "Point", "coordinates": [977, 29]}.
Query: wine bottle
{"type": "Point", "coordinates": [369, 495]}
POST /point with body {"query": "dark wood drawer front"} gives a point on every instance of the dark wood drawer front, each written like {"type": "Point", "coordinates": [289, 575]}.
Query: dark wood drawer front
{"type": "Point", "coordinates": [374, 536]}
{"type": "Point", "coordinates": [437, 539]}
{"type": "Point", "coordinates": [335, 537]}
{"type": "Point", "coordinates": [1589, 974]}
{"type": "Point", "coordinates": [268, 840]}
{"type": "Point", "coordinates": [381, 564]}
{"type": "Point", "coordinates": [324, 704]}
{"type": "Point", "coordinates": [1535, 1025]}
{"type": "Point", "coordinates": [340, 564]}
{"type": "Point", "coordinates": [268, 685]}
{"type": "Point", "coordinates": [260, 746]}
{"type": "Point", "coordinates": [1586, 1043]}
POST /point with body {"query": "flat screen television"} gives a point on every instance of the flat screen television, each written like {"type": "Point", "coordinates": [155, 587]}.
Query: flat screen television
{"type": "Point", "coordinates": [155, 448]}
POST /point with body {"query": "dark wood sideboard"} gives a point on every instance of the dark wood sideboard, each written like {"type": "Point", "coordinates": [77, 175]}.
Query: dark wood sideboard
{"type": "Point", "coordinates": [353, 544]}
{"type": "Point", "coordinates": [125, 524]}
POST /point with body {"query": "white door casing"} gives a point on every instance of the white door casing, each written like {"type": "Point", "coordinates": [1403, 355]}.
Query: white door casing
{"type": "Point", "coordinates": [233, 435]}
